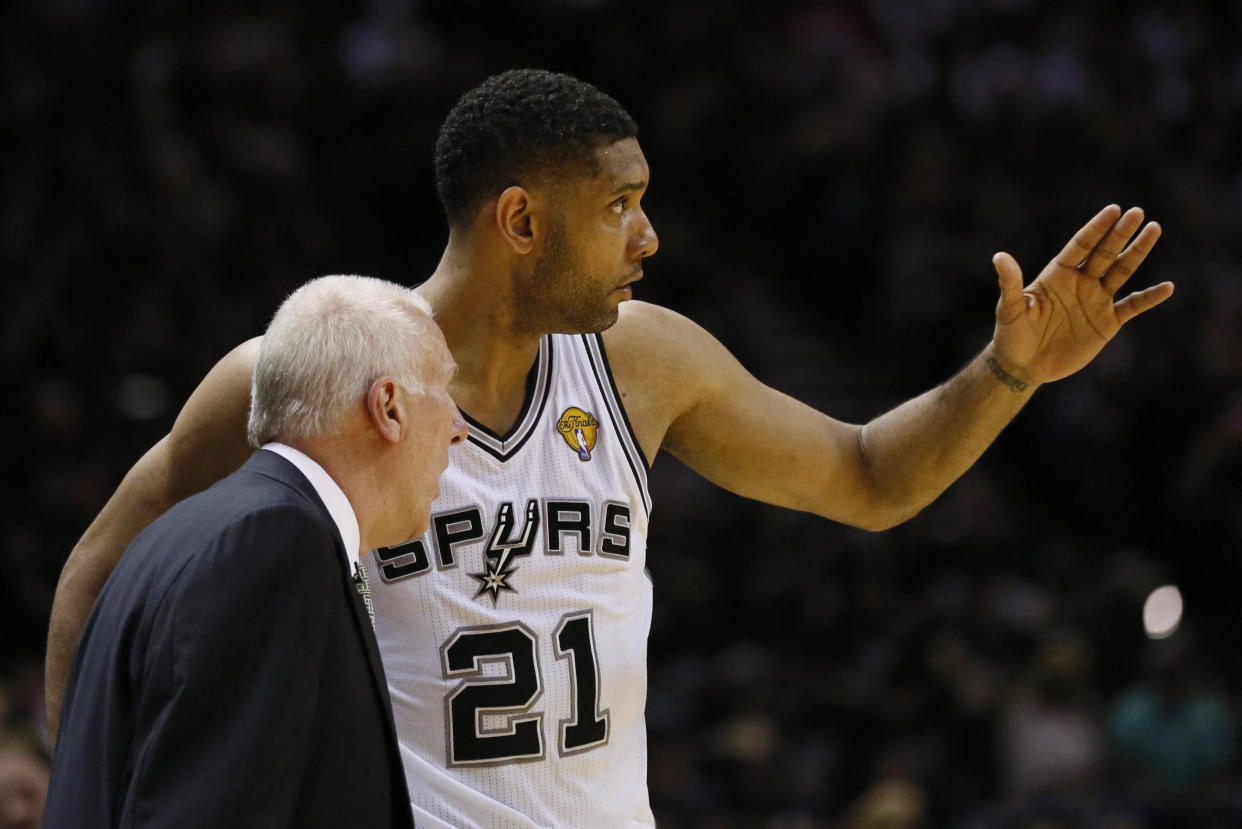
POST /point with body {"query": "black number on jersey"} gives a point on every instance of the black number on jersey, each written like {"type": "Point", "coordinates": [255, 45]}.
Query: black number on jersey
{"type": "Point", "coordinates": [514, 693]}
{"type": "Point", "coordinates": [575, 641]}
{"type": "Point", "coordinates": [511, 696]}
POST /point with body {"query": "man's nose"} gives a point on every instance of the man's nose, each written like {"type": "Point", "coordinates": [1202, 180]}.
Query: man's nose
{"type": "Point", "coordinates": [647, 242]}
{"type": "Point", "coordinates": [460, 430]}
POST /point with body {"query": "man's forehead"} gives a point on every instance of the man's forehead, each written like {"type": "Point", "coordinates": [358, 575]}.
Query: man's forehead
{"type": "Point", "coordinates": [622, 165]}
{"type": "Point", "coordinates": [436, 368]}
{"type": "Point", "coordinates": [448, 367]}
{"type": "Point", "coordinates": [436, 357]}
{"type": "Point", "coordinates": [440, 361]}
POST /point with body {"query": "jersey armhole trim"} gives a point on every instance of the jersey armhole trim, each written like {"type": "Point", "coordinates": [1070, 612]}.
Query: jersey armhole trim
{"type": "Point", "coordinates": [598, 359]}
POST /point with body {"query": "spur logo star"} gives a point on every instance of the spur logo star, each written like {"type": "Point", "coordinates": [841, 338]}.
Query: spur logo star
{"type": "Point", "coordinates": [495, 577]}
{"type": "Point", "coordinates": [502, 547]}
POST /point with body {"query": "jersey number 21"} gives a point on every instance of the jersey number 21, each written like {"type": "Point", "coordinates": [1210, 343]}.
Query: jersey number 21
{"type": "Point", "coordinates": [513, 694]}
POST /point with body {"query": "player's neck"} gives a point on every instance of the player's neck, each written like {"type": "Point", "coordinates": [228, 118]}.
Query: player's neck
{"type": "Point", "coordinates": [493, 352]}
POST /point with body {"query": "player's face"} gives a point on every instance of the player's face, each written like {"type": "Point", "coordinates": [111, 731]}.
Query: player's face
{"type": "Point", "coordinates": [597, 238]}
{"type": "Point", "coordinates": [437, 424]}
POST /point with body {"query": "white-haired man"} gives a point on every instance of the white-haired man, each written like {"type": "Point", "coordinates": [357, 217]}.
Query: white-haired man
{"type": "Point", "coordinates": [228, 675]}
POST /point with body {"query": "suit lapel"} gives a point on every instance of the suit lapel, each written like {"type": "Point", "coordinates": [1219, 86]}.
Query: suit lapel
{"type": "Point", "coordinates": [366, 632]}
{"type": "Point", "coordinates": [274, 466]}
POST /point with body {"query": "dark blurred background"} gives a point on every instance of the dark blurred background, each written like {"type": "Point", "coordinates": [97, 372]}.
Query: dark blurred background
{"type": "Point", "coordinates": [830, 181]}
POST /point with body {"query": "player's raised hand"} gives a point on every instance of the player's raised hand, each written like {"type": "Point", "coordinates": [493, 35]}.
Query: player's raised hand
{"type": "Point", "coordinates": [1058, 323]}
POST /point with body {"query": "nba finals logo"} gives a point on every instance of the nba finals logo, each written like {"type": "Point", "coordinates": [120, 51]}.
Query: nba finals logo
{"type": "Point", "coordinates": [579, 429]}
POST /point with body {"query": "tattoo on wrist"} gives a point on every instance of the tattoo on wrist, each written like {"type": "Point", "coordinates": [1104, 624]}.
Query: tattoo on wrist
{"type": "Point", "coordinates": [1005, 377]}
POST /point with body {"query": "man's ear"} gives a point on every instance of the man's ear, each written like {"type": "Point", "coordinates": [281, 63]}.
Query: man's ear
{"type": "Point", "coordinates": [517, 218]}
{"type": "Point", "coordinates": [386, 409]}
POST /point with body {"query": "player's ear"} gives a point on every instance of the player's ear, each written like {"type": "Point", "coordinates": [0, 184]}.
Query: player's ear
{"type": "Point", "coordinates": [386, 409]}
{"type": "Point", "coordinates": [514, 212]}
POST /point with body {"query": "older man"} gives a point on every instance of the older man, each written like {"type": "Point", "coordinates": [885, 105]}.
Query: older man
{"type": "Point", "coordinates": [228, 675]}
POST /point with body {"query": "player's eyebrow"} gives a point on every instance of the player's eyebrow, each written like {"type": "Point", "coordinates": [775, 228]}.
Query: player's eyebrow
{"type": "Point", "coordinates": [628, 187]}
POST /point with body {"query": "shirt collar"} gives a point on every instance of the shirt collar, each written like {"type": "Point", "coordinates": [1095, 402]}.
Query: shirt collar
{"type": "Point", "coordinates": [330, 493]}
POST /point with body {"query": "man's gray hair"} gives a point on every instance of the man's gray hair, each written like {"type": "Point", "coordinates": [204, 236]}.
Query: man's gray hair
{"type": "Point", "coordinates": [328, 342]}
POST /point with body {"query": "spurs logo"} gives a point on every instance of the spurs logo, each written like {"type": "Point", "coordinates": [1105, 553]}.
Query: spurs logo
{"type": "Point", "coordinates": [498, 567]}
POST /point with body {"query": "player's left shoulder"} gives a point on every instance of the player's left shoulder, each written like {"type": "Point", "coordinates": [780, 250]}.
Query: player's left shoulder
{"type": "Point", "coordinates": [650, 335]}
{"type": "Point", "coordinates": [645, 330]}
{"type": "Point", "coordinates": [655, 356]}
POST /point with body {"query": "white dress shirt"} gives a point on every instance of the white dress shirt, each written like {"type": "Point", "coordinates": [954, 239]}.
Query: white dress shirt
{"type": "Point", "coordinates": [332, 496]}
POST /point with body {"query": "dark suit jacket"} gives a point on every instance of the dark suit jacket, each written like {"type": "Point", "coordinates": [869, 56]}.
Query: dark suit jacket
{"type": "Point", "coordinates": [228, 675]}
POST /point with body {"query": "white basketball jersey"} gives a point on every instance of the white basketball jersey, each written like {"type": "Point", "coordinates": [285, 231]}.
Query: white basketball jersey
{"type": "Point", "coordinates": [514, 633]}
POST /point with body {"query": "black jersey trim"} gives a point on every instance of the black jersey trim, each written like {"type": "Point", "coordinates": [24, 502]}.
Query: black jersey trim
{"type": "Point", "coordinates": [616, 394]}
{"type": "Point", "coordinates": [528, 395]}
{"type": "Point", "coordinates": [612, 399]}
{"type": "Point", "coordinates": [540, 388]}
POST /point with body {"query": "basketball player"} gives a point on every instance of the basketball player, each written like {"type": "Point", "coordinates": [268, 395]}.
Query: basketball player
{"type": "Point", "coordinates": [514, 632]}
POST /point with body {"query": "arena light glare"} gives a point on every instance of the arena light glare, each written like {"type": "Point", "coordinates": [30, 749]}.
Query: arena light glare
{"type": "Point", "coordinates": [1162, 612]}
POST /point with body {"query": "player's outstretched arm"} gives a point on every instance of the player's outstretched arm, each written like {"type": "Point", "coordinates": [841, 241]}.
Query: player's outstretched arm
{"type": "Point", "coordinates": [1044, 331]}
{"type": "Point", "coordinates": [718, 419]}
{"type": "Point", "coordinates": [207, 442]}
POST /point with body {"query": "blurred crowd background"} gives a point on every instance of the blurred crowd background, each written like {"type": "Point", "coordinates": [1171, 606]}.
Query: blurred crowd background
{"type": "Point", "coordinates": [830, 181]}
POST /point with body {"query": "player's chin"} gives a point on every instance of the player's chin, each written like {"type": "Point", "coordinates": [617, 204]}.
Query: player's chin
{"type": "Point", "coordinates": [602, 320]}
{"type": "Point", "coordinates": [419, 527]}
{"type": "Point", "coordinates": [415, 532]}
{"type": "Point", "coordinates": [609, 311]}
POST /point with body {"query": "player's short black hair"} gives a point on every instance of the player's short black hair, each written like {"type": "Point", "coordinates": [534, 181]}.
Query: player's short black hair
{"type": "Point", "coordinates": [517, 125]}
